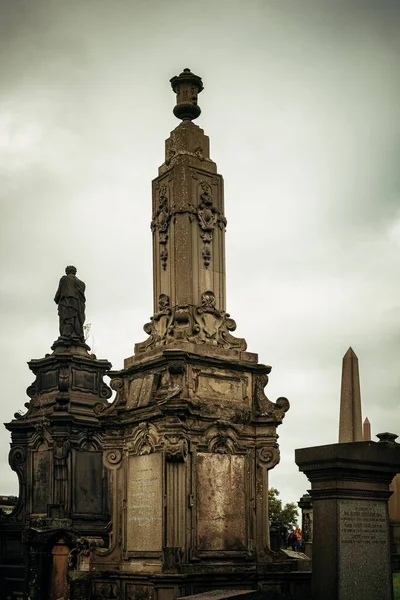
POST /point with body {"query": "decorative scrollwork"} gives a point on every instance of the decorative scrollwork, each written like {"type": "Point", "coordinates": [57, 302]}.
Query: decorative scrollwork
{"type": "Point", "coordinates": [112, 458]}
{"type": "Point", "coordinates": [117, 385]}
{"type": "Point", "coordinates": [202, 324]}
{"type": "Point", "coordinates": [269, 456]}
{"type": "Point", "coordinates": [32, 390]}
{"type": "Point", "coordinates": [99, 408]}
{"type": "Point", "coordinates": [264, 407]}
{"type": "Point", "coordinates": [105, 391]}
{"type": "Point", "coordinates": [161, 222]}
{"type": "Point", "coordinates": [17, 457]}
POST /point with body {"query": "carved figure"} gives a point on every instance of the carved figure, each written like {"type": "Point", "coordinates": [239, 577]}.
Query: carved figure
{"type": "Point", "coordinates": [70, 298]}
{"type": "Point", "coordinates": [162, 318]}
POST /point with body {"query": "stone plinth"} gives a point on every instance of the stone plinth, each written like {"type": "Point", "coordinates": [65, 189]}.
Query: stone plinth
{"type": "Point", "coordinates": [350, 491]}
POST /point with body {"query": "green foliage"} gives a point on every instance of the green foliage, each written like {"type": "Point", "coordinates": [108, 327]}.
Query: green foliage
{"type": "Point", "coordinates": [396, 586]}
{"type": "Point", "coordinates": [286, 515]}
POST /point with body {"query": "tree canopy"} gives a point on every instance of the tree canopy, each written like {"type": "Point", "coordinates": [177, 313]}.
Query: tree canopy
{"type": "Point", "coordinates": [287, 516]}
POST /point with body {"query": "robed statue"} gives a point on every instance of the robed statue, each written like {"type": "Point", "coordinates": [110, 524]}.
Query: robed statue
{"type": "Point", "coordinates": [70, 298]}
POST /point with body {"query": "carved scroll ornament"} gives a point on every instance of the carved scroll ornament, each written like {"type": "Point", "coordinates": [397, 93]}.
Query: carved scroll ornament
{"type": "Point", "coordinates": [264, 407]}
{"type": "Point", "coordinates": [112, 458]}
{"type": "Point", "coordinates": [268, 456]}
{"type": "Point", "coordinates": [202, 324]}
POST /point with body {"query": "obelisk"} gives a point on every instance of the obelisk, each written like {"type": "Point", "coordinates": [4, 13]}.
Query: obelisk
{"type": "Point", "coordinates": [350, 424]}
{"type": "Point", "coordinates": [366, 430]}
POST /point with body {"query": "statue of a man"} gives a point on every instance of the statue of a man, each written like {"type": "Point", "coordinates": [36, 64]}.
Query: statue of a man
{"type": "Point", "coordinates": [70, 298]}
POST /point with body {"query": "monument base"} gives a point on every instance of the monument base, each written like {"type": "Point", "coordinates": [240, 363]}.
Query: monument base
{"type": "Point", "coordinates": [351, 542]}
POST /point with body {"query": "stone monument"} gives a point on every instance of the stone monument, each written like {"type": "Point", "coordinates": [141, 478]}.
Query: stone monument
{"type": "Point", "coordinates": [350, 426]}
{"type": "Point", "coordinates": [191, 435]}
{"type": "Point", "coordinates": [351, 542]}
{"type": "Point", "coordinates": [164, 492]}
{"type": "Point", "coordinates": [56, 451]}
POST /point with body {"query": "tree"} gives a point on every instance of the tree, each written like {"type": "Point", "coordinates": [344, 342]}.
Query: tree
{"type": "Point", "coordinates": [287, 516]}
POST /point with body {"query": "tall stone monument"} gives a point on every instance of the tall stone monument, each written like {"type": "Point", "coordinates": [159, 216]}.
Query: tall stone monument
{"type": "Point", "coordinates": [56, 451]}
{"type": "Point", "coordinates": [350, 425]}
{"type": "Point", "coordinates": [191, 436]}
{"type": "Point", "coordinates": [164, 492]}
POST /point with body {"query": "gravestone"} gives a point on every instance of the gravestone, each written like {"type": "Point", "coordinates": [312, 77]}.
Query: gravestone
{"type": "Point", "coordinates": [350, 491]}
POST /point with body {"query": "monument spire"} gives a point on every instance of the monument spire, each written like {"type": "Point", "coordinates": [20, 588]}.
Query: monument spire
{"type": "Point", "coordinates": [350, 426]}
{"type": "Point", "coordinates": [188, 226]}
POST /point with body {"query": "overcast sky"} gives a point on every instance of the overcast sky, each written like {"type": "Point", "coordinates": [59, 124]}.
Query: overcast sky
{"type": "Point", "coordinates": [302, 106]}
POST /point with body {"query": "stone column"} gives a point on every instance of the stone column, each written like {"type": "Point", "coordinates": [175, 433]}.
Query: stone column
{"type": "Point", "coordinates": [188, 210]}
{"type": "Point", "coordinates": [350, 490]}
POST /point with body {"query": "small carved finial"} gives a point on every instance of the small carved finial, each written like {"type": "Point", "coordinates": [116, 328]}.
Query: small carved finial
{"type": "Point", "coordinates": [186, 86]}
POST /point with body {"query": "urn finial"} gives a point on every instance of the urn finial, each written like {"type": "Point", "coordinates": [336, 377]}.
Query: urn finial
{"type": "Point", "coordinates": [187, 86]}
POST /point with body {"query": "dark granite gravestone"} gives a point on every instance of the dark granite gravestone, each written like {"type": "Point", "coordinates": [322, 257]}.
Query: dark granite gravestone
{"type": "Point", "coordinates": [350, 491]}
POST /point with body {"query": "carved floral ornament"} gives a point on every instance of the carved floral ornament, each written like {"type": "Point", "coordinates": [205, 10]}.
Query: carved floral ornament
{"type": "Point", "coordinates": [160, 223]}
{"type": "Point", "coordinates": [176, 447]}
{"type": "Point", "coordinates": [201, 324]}
{"type": "Point", "coordinates": [144, 439]}
{"type": "Point", "coordinates": [222, 439]}
{"type": "Point", "coordinates": [208, 218]}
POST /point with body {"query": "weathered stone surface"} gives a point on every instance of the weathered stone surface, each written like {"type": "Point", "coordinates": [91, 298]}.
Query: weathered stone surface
{"type": "Point", "coordinates": [350, 426]}
{"type": "Point", "coordinates": [144, 503]}
{"type": "Point", "coordinates": [41, 480]}
{"type": "Point", "coordinates": [224, 595]}
{"type": "Point", "coordinates": [221, 502]}
{"type": "Point", "coordinates": [350, 490]}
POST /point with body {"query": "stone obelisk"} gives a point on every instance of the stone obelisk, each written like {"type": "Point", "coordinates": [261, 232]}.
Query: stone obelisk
{"type": "Point", "coordinates": [350, 424]}
{"type": "Point", "coordinates": [366, 430]}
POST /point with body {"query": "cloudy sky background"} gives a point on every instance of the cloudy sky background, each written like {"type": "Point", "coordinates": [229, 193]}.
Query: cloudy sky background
{"type": "Point", "coordinates": [302, 105]}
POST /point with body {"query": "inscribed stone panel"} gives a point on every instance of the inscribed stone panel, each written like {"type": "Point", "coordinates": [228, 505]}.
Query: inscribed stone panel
{"type": "Point", "coordinates": [221, 500]}
{"type": "Point", "coordinates": [226, 387]}
{"type": "Point", "coordinates": [364, 549]}
{"type": "Point", "coordinates": [140, 391]}
{"type": "Point", "coordinates": [144, 503]}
